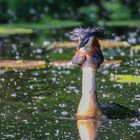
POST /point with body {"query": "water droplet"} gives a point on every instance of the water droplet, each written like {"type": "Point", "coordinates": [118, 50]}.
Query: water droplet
{"type": "Point", "coordinates": [64, 113]}
{"type": "Point", "coordinates": [13, 95]}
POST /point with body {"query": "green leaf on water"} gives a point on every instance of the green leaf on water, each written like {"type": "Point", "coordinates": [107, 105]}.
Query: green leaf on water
{"type": "Point", "coordinates": [137, 48]}
{"type": "Point", "coordinates": [10, 30]}
{"type": "Point", "coordinates": [125, 78]}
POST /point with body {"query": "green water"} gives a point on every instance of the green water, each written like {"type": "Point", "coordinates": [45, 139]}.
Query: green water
{"type": "Point", "coordinates": [41, 104]}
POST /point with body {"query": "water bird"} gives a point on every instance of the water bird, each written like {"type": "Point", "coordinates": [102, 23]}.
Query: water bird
{"type": "Point", "coordinates": [89, 57]}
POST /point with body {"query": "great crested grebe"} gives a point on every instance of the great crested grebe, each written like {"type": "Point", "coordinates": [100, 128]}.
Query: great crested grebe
{"type": "Point", "coordinates": [89, 57]}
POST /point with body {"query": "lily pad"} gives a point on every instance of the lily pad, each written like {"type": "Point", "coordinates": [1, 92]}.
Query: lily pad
{"type": "Point", "coordinates": [125, 78]}
{"type": "Point", "coordinates": [9, 30]}
{"type": "Point", "coordinates": [137, 48]}
{"type": "Point", "coordinates": [20, 64]}
{"type": "Point", "coordinates": [104, 44]}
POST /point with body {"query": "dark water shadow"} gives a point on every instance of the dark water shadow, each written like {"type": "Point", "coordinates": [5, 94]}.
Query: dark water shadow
{"type": "Point", "coordinates": [117, 111]}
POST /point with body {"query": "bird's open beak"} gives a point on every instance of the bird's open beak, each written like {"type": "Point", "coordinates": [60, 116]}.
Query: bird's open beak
{"type": "Point", "coordinates": [85, 42]}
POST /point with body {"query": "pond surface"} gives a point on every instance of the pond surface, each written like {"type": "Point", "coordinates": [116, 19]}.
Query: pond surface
{"type": "Point", "coordinates": [40, 104]}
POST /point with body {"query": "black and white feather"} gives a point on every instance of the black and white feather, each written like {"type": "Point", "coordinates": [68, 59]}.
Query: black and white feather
{"type": "Point", "coordinates": [83, 33]}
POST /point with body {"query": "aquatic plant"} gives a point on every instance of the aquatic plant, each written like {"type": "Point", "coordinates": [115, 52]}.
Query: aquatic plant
{"type": "Point", "coordinates": [125, 78]}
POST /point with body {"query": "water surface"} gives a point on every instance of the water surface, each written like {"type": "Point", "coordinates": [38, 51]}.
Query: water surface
{"type": "Point", "coordinates": [41, 103]}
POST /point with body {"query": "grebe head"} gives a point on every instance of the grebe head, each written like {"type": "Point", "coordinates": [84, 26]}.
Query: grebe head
{"type": "Point", "coordinates": [88, 47]}
{"type": "Point", "coordinates": [85, 36]}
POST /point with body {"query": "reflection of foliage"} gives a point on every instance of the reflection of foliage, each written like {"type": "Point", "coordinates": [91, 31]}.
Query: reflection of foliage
{"type": "Point", "coordinates": [25, 9]}
{"type": "Point", "coordinates": [89, 13]}
{"type": "Point", "coordinates": [33, 10]}
{"type": "Point", "coordinates": [117, 10]}
{"type": "Point", "coordinates": [3, 8]}
{"type": "Point", "coordinates": [133, 6]}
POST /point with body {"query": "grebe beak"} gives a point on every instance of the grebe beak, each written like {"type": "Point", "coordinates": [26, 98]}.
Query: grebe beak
{"type": "Point", "coordinates": [81, 45]}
